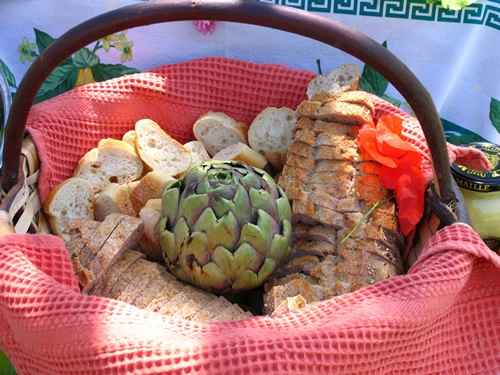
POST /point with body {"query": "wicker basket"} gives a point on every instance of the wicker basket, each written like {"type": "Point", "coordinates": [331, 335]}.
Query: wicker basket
{"type": "Point", "coordinates": [20, 209]}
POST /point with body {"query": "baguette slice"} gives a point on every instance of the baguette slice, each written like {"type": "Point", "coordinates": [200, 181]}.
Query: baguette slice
{"type": "Point", "coordinates": [114, 198]}
{"type": "Point", "coordinates": [198, 152]}
{"type": "Point", "coordinates": [112, 161]}
{"type": "Point", "coordinates": [216, 130]}
{"type": "Point", "coordinates": [271, 133]}
{"type": "Point", "coordinates": [151, 186]}
{"type": "Point", "coordinates": [345, 78]}
{"type": "Point", "coordinates": [159, 151]}
{"type": "Point", "coordinates": [149, 243]}
{"type": "Point", "coordinates": [130, 137]}
{"type": "Point", "coordinates": [71, 199]}
{"type": "Point", "coordinates": [241, 152]}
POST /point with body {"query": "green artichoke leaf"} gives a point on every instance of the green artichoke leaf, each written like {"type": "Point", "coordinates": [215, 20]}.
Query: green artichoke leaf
{"type": "Point", "coordinates": [170, 202]}
{"type": "Point", "coordinates": [242, 206]}
{"type": "Point", "coordinates": [234, 264]}
{"type": "Point", "coordinates": [167, 243]}
{"type": "Point", "coordinates": [262, 200]}
{"type": "Point", "coordinates": [195, 246]}
{"type": "Point", "coordinates": [250, 279]}
{"type": "Point", "coordinates": [280, 244]}
{"type": "Point", "coordinates": [251, 180]}
{"type": "Point", "coordinates": [284, 208]}
{"type": "Point", "coordinates": [209, 277]}
{"type": "Point", "coordinates": [191, 207]}
{"type": "Point", "coordinates": [259, 235]}
{"type": "Point", "coordinates": [224, 231]}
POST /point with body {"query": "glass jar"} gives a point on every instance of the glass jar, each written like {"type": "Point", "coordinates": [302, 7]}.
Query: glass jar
{"type": "Point", "coordinates": [481, 191]}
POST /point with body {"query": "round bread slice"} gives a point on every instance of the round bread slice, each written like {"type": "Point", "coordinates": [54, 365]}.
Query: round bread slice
{"type": "Point", "coordinates": [112, 161]}
{"type": "Point", "coordinates": [271, 133]}
{"type": "Point", "coordinates": [216, 130]}
{"type": "Point", "coordinates": [71, 199]}
{"type": "Point", "coordinates": [159, 151]}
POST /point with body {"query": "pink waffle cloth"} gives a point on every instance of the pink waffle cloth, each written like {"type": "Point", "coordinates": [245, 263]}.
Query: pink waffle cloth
{"type": "Point", "coordinates": [443, 317]}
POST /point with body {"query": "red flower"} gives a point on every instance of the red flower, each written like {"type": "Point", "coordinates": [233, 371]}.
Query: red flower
{"type": "Point", "coordinates": [400, 169]}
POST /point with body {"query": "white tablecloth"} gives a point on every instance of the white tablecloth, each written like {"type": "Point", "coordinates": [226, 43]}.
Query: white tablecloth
{"type": "Point", "coordinates": [455, 54]}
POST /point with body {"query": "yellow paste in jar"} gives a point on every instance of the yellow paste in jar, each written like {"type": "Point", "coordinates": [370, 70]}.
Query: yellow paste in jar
{"type": "Point", "coordinates": [481, 191]}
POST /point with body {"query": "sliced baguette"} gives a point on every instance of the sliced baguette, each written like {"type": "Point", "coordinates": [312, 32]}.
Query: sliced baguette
{"type": "Point", "coordinates": [158, 150]}
{"type": "Point", "coordinates": [242, 152]}
{"type": "Point", "coordinates": [345, 78]}
{"type": "Point", "coordinates": [151, 186]}
{"type": "Point", "coordinates": [216, 130]}
{"type": "Point", "coordinates": [149, 243]}
{"type": "Point", "coordinates": [114, 198]}
{"type": "Point", "coordinates": [112, 161]}
{"type": "Point", "coordinates": [271, 133]}
{"type": "Point", "coordinates": [130, 137]}
{"type": "Point", "coordinates": [71, 199]}
{"type": "Point", "coordinates": [198, 152]}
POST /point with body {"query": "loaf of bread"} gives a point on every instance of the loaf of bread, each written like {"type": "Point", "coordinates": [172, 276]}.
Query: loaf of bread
{"type": "Point", "coordinates": [331, 187]}
{"type": "Point", "coordinates": [114, 198]}
{"type": "Point", "coordinates": [151, 186]}
{"type": "Point", "coordinates": [107, 265]}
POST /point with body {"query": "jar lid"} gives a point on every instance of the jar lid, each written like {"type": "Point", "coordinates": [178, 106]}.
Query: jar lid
{"type": "Point", "coordinates": [483, 181]}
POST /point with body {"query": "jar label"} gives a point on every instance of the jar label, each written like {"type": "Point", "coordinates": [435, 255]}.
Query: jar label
{"type": "Point", "coordinates": [493, 243]}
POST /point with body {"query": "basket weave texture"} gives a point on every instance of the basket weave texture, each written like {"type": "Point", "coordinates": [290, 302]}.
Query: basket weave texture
{"type": "Point", "coordinates": [441, 317]}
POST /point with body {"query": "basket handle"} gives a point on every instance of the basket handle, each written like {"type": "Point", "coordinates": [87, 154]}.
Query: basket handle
{"type": "Point", "coordinates": [279, 17]}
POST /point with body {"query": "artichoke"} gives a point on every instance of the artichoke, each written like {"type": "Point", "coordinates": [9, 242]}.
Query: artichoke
{"type": "Point", "coordinates": [225, 226]}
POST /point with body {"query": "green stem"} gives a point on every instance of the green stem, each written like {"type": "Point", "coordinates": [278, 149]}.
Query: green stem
{"type": "Point", "coordinates": [381, 202]}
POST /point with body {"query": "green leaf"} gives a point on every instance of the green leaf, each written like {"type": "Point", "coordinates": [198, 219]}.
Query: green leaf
{"type": "Point", "coordinates": [6, 367]}
{"type": "Point", "coordinates": [372, 81]}
{"type": "Point", "coordinates": [458, 135]}
{"type": "Point", "coordinates": [62, 79]}
{"type": "Point", "coordinates": [42, 39]}
{"type": "Point", "coordinates": [495, 113]}
{"type": "Point", "coordinates": [85, 58]}
{"type": "Point", "coordinates": [453, 4]}
{"type": "Point", "coordinates": [102, 72]}
{"type": "Point", "coordinates": [395, 102]}
{"type": "Point", "coordinates": [11, 80]}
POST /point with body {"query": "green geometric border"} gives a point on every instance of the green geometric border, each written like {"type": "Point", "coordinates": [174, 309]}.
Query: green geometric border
{"type": "Point", "coordinates": [485, 13]}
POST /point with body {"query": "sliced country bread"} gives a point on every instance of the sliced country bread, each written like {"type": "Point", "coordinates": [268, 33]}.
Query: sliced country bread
{"type": "Point", "coordinates": [271, 133]}
{"type": "Point", "coordinates": [216, 130]}
{"type": "Point", "coordinates": [71, 199]}
{"type": "Point", "coordinates": [345, 78]}
{"type": "Point", "coordinates": [112, 161]}
{"type": "Point", "coordinates": [242, 152]}
{"type": "Point", "coordinates": [158, 150]}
